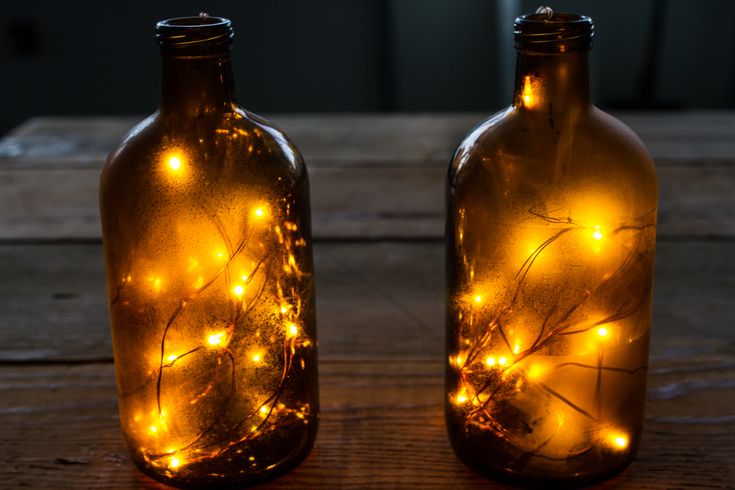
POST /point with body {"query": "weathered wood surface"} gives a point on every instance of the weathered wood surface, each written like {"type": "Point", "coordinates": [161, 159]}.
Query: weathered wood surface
{"type": "Point", "coordinates": [380, 306]}
{"type": "Point", "coordinates": [390, 170]}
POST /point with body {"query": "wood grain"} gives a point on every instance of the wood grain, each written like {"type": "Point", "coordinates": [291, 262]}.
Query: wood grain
{"type": "Point", "coordinates": [381, 427]}
{"type": "Point", "coordinates": [374, 300]}
{"type": "Point", "coordinates": [371, 176]}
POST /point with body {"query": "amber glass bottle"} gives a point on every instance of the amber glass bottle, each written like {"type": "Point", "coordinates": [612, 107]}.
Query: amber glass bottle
{"type": "Point", "coordinates": [205, 220]}
{"type": "Point", "coordinates": [551, 237]}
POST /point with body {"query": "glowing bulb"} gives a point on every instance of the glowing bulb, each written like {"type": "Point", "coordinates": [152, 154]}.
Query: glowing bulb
{"type": "Point", "coordinates": [490, 361]}
{"type": "Point", "coordinates": [478, 299]}
{"type": "Point", "coordinates": [602, 332]}
{"type": "Point", "coordinates": [461, 398]}
{"type": "Point", "coordinates": [597, 234]}
{"type": "Point", "coordinates": [617, 440]}
{"type": "Point", "coordinates": [154, 429]}
{"type": "Point", "coordinates": [502, 361]}
{"type": "Point", "coordinates": [174, 163]}
{"type": "Point", "coordinates": [293, 330]}
{"type": "Point", "coordinates": [257, 358]}
{"type": "Point", "coordinates": [238, 290]}
{"type": "Point", "coordinates": [172, 358]}
{"type": "Point", "coordinates": [620, 442]}
{"type": "Point", "coordinates": [215, 338]}
{"type": "Point", "coordinates": [175, 463]}
{"type": "Point", "coordinates": [516, 349]}
{"type": "Point", "coordinates": [264, 410]}
{"type": "Point", "coordinates": [284, 310]}
{"type": "Point", "coordinates": [261, 212]}
{"type": "Point", "coordinates": [529, 100]}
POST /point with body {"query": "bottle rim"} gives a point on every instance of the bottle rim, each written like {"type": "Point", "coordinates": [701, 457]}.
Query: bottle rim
{"type": "Point", "coordinates": [553, 32]}
{"type": "Point", "coordinates": [194, 35]}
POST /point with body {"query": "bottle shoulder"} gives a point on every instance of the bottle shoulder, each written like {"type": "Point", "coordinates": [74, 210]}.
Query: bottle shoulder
{"type": "Point", "coordinates": [237, 145]}
{"type": "Point", "coordinates": [546, 145]}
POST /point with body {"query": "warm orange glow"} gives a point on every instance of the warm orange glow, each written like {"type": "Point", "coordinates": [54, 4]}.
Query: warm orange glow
{"type": "Point", "coordinates": [292, 331]}
{"type": "Point", "coordinates": [503, 361]}
{"type": "Point", "coordinates": [174, 463]}
{"type": "Point", "coordinates": [602, 332]}
{"type": "Point", "coordinates": [536, 371]}
{"type": "Point", "coordinates": [156, 283]}
{"type": "Point", "coordinates": [616, 440]}
{"type": "Point", "coordinates": [490, 361]}
{"type": "Point", "coordinates": [238, 290]}
{"type": "Point", "coordinates": [478, 298]}
{"type": "Point", "coordinates": [216, 338]}
{"type": "Point", "coordinates": [597, 234]}
{"type": "Point", "coordinates": [528, 96]}
{"type": "Point", "coordinates": [174, 163]}
{"type": "Point", "coordinates": [261, 211]}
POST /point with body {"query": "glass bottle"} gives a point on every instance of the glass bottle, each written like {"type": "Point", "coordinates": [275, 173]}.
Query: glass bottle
{"type": "Point", "coordinates": [551, 208]}
{"type": "Point", "coordinates": [206, 231]}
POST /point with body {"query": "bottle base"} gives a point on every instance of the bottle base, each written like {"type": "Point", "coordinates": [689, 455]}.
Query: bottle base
{"type": "Point", "coordinates": [515, 479]}
{"type": "Point", "coordinates": [216, 482]}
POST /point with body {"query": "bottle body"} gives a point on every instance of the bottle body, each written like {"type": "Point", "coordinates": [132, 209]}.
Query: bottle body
{"type": "Point", "coordinates": [206, 231]}
{"type": "Point", "coordinates": [551, 215]}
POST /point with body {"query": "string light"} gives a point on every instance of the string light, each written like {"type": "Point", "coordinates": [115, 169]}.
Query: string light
{"type": "Point", "coordinates": [174, 163]}
{"type": "Point", "coordinates": [528, 374]}
{"type": "Point", "coordinates": [216, 338]}
{"type": "Point", "coordinates": [528, 96]}
{"type": "Point", "coordinates": [620, 441]}
{"type": "Point", "coordinates": [282, 290]}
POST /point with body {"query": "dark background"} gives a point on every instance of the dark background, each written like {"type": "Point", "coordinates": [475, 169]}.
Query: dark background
{"type": "Point", "coordinates": [85, 57]}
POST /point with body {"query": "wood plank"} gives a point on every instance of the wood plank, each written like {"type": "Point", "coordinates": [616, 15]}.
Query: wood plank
{"type": "Point", "coordinates": [372, 176]}
{"type": "Point", "coordinates": [381, 427]}
{"type": "Point", "coordinates": [374, 300]}
{"type": "Point", "coordinates": [674, 138]}
{"type": "Point", "coordinates": [373, 201]}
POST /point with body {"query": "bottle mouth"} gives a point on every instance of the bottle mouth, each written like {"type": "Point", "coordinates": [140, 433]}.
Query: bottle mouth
{"type": "Point", "coordinates": [550, 32]}
{"type": "Point", "coordinates": [200, 34]}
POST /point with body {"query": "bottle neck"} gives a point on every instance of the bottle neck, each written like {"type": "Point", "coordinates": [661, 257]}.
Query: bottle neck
{"type": "Point", "coordinates": [552, 82]}
{"type": "Point", "coordinates": [197, 85]}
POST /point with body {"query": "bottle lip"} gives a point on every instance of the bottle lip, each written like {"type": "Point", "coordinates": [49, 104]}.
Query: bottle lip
{"type": "Point", "coordinates": [202, 34]}
{"type": "Point", "coordinates": [553, 32]}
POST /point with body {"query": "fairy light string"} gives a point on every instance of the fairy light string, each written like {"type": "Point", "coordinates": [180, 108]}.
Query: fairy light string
{"type": "Point", "coordinates": [257, 337]}
{"type": "Point", "coordinates": [495, 369]}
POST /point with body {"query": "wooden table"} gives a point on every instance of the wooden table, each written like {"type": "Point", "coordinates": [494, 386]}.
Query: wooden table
{"type": "Point", "coordinates": [377, 187]}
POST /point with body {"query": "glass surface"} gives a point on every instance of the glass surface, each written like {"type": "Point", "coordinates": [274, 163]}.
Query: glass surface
{"type": "Point", "coordinates": [550, 251]}
{"type": "Point", "coordinates": [205, 217]}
